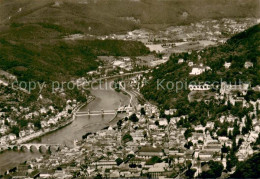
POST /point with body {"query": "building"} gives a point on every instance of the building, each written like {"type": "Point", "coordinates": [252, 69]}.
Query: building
{"type": "Point", "coordinates": [203, 87]}
{"type": "Point", "coordinates": [147, 152]}
{"type": "Point", "coordinates": [181, 60]}
{"type": "Point", "coordinates": [104, 164]}
{"type": "Point", "coordinates": [248, 64]}
{"type": "Point", "coordinates": [163, 122]}
{"type": "Point", "coordinates": [227, 65]}
{"type": "Point", "coordinates": [190, 64]}
{"type": "Point", "coordinates": [199, 70]}
{"type": "Point", "coordinates": [229, 88]}
{"type": "Point", "coordinates": [7, 76]}
{"type": "Point", "coordinates": [158, 169]}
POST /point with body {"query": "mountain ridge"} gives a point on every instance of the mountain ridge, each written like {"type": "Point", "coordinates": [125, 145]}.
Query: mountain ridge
{"type": "Point", "coordinates": [105, 16]}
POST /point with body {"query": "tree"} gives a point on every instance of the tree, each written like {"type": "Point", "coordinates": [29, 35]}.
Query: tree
{"type": "Point", "coordinates": [145, 134]}
{"type": "Point", "coordinates": [231, 160]}
{"type": "Point", "coordinates": [37, 123]}
{"type": "Point", "coordinates": [98, 176]}
{"type": "Point", "coordinates": [190, 172]}
{"type": "Point", "coordinates": [188, 133]}
{"type": "Point", "coordinates": [248, 123]}
{"type": "Point", "coordinates": [203, 121]}
{"type": "Point", "coordinates": [236, 130]}
{"type": "Point", "coordinates": [132, 165]}
{"type": "Point", "coordinates": [249, 168]}
{"type": "Point", "coordinates": [119, 124]}
{"type": "Point", "coordinates": [215, 170]}
{"type": "Point", "coordinates": [223, 130]}
{"type": "Point", "coordinates": [128, 157]}
{"type": "Point", "coordinates": [224, 148]}
{"type": "Point", "coordinates": [22, 123]}
{"type": "Point", "coordinates": [119, 161]}
{"type": "Point", "coordinates": [153, 160]}
{"type": "Point", "coordinates": [188, 145]}
{"type": "Point", "coordinates": [69, 111]}
{"type": "Point", "coordinates": [127, 137]}
{"type": "Point", "coordinates": [142, 111]}
{"type": "Point", "coordinates": [174, 174]}
{"type": "Point", "coordinates": [234, 145]}
{"type": "Point", "coordinates": [133, 118]}
{"type": "Point", "coordinates": [15, 130]}
{"type": "Point", "coordinates": [6, 123]}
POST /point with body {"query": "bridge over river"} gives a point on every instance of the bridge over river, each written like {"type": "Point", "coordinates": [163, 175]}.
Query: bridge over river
{"type": "Point", "coordinates": [109, 100]}
{"type": "Point", "coordinates": [124, 76]}
{"type": "Point", "coordinates": [39, 147]}
{"type": "Point", "coordinates": [102, 112]}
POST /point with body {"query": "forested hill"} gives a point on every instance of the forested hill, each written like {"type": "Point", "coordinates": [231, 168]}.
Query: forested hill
{"type": "Point", "coordinates": [39, 52]}
{"type": "Point", "coordinates": [237, 50]}
{"type": "Point", "coordinates": [60, 60]}
{"type": "Point", "coordinates": [249, 168]}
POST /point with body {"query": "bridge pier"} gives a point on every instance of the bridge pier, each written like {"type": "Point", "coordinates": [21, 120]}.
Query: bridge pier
{"type": "Point", "coordinates": [31, 149]}
{"type": "Point", "coordinates": [40, 149]}
{"type": "Point", "coordinates": [102, 112]}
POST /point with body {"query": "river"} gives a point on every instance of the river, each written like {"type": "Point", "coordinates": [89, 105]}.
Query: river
{"type": "Point", "coordinates": [106, 99]}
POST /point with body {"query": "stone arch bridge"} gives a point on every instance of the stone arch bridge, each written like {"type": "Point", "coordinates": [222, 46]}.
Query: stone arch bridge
{"type": "Point", "coordinates": [39, 147]}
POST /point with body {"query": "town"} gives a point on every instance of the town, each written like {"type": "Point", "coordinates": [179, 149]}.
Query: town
{"type": "Point", "coordinates": [150, 140]}
{"type": "Point", "coordinates": [152, 144]}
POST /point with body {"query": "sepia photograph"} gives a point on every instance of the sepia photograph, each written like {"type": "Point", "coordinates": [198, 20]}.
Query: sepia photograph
{"type": "Point", "coordinates": [154, 89]}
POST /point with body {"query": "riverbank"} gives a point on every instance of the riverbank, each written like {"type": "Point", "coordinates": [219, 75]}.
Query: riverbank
{"type": "Point", "coordinates": [114, 120]}
{"type": "Point", "coordinates": [66, 123]}
{"type": "Point", "coordinates": [104, 99]}
{"type": "Point", "coordinates": [47, 131]}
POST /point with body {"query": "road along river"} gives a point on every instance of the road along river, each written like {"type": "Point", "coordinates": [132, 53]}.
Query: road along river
{"type": "Point", "coordinates": [106, 99]}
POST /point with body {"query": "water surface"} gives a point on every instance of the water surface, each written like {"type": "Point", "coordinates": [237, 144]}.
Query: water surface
{"type": "Point", "coordinates": [106, 99]}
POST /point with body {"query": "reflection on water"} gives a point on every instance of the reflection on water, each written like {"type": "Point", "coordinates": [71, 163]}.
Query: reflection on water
{"type": "Point", "coordinates": [105, 99]}
{"type": "Point", "coordinates": [10, 159]}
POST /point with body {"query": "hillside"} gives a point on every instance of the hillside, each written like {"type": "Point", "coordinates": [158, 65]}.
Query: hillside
{"type": "Point", "coordinates": [105, 16]}
{"type": "Point", "coordinates": [39, 52]}
{"type": "Point", "coordinates": [239, 49]}
{"type": "Point", "coordinates": [249, 168]}
{"type": "Point", "coordinates": [60, 60]}
{"type": "Point", "coordinates": [32, 32]}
